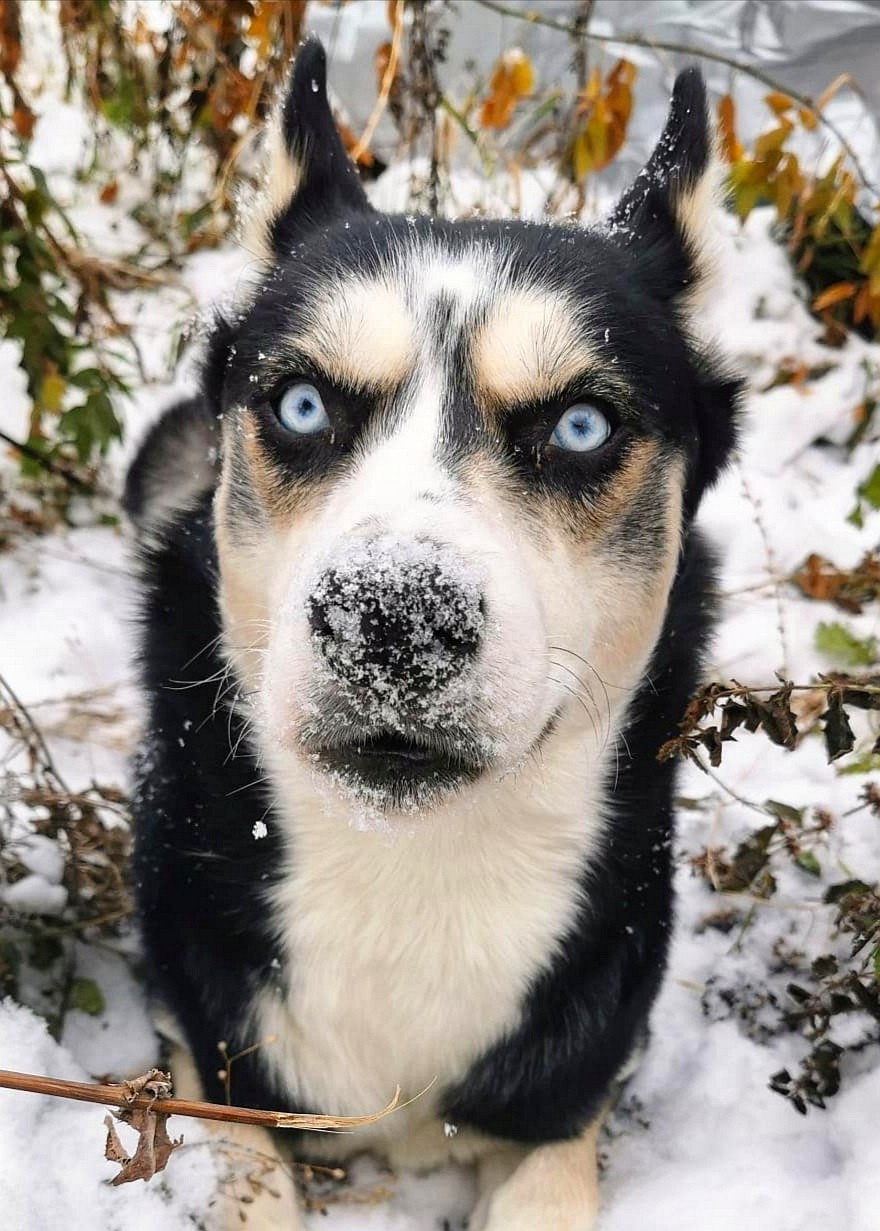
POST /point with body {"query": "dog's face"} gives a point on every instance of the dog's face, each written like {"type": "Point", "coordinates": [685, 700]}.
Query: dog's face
{"type": "Point", "coordinates": [458, 460]}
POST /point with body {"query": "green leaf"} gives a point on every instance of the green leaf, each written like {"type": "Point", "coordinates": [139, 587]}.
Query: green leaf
{"type": "Point", "coordinates": [808, 861]}
{"type": "Point", "coordinates": [86, 996]}
{"type": "Point", "coordinates": [870, 489]}
{"type": "Point", "coordinates": [838, 643]}
{"type": "Point", "coordinates": [869, 492]}
{"type": "Point", "coordinates": [785, 812]}
{"type": "Point", "coordinates": [867, 763]}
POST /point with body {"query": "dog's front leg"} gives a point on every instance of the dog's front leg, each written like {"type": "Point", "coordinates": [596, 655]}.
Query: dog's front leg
{"type": "Point", "coordinates": [551, 1188]}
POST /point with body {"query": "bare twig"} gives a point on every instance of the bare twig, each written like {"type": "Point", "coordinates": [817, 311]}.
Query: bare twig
{"type": "Point", "coordinates": [701, 53]}
{"type": "Point", "coordinates": [387, 82]}
{"type": "Point", "coordinates": [46, 463]}
{"type": "Point", "coordinates": [119, 1095]}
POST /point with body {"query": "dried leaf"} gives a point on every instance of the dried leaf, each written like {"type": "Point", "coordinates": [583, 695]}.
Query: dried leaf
{"type": "Point", "coordinates": [154, 1147]}
{"type": "Point", "coordinates": [731, 149]}
{"type": "Point", "coordinates": [836, 293]}
{"type": "Point", "coordinates": [10, 37]}
{"type": "Point", "coordinates": [113, 1149]}
{"type": "Point", "coordinates": [819, 579]}
{"type": "Point", "coordinates": [605, 110]}
{"type": "Point", "coordinates": [839, 736]}
{"type": "Point", "coordinates": [511, 81]}
{"type": "Point", "coordinates": [776, 717]}
{"type": "Point", "coordinates": [778, 102]}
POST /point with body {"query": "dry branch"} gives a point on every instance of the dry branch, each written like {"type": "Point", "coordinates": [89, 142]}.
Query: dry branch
{"type": "Point", "coordinates": [119, 1095]}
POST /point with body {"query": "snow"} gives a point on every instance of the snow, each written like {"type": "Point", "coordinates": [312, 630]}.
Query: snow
{"type": "Point", "coordinates": [698, 1141]}
{"type": "Point", "coordinates": [53, 1173]}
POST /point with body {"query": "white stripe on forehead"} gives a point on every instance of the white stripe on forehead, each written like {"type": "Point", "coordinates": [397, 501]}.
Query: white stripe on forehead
{"type": "Point", "coordinates": [448, 291]}
{"type": "Point", "coordinates": [396, 469]}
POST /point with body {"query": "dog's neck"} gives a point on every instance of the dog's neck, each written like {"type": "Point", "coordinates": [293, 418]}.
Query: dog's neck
{"type": "Point", "coordinates": [412, 917]}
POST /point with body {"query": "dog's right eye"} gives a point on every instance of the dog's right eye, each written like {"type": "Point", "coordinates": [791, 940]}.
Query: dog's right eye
{"type": "Point", "coordinates": [301, 409]}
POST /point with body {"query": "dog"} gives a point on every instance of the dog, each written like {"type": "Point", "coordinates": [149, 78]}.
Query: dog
{"type": "Point", "coordinates": [421, 598]}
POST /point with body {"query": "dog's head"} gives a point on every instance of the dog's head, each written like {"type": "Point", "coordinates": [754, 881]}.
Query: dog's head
{"type": "Point", "coordinates": [458, 461]}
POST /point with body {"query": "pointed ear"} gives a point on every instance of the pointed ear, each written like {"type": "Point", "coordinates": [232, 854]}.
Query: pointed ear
{"type": "Point", "coordinates": [665, 216]}
{"type": "Point", "coordinates": [309, 177]}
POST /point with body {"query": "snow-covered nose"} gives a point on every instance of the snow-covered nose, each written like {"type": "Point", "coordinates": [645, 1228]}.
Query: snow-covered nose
{"type": "Point", "coordinates": [400, 618]}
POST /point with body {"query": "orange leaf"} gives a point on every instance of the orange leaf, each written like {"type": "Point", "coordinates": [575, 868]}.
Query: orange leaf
{"type": "Point", "coordinates": [778, 102]}
{"type": "Point", "coordinates": [861, 304]}
{"type": "Point", "coordinates": [731, 149]}
{"type": "Point", "coordinates": [261, 28]}
{"type": "Point", "coordinates": [836, 293]}
{"type": "Point", "coordinates": [606, 110]}
{"type": "Point", "coordinates": [512, 80]}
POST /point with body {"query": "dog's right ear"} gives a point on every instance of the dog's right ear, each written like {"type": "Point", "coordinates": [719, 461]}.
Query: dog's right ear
{"type": "Point", "coordinates": [309, 176]}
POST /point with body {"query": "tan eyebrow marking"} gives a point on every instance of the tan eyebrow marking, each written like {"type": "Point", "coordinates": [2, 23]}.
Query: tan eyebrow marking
{"type": "Point", "coordinates": [359, 333]}
{"type": "Point", "coordinates": [529, 348]}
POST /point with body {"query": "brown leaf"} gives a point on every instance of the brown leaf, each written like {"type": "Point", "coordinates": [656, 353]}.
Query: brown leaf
{"type": "Point", "coordinates": [777, 719]}
{"type": "Point", "coordinates": [10, 37]}
{"type": "Point", "coordinates": [23, 121]}
{"type": "Point", "coordinates": [113, 1150]}
{"type": "Point", "coordinates": [849, 589]}
{"type": "Point", "coordinates": [154, 1147]}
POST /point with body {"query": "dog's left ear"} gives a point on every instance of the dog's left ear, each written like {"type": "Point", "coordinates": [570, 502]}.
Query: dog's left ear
{"type": "Point", "coordinates": [665, 218]}
{"type": "Point", "coordinates": [309, 177]}
{"type": "Point", "coordinates": [666, 213]}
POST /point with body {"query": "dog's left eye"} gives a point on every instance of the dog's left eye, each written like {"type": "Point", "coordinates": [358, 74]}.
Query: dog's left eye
{"type": "Point", "coordinates": [583, 427]}
{"type": "Point", "coordinates": [301, 409]}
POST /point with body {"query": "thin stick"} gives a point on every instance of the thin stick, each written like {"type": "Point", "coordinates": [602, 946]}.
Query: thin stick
{"type": "Point", "coordinates": [701, 53]}
{"type": "Point", "coordinates": [120, 1096]}
{"type": "Point", "coordinates": [47, 463]}
{"type": "Point", "coordinates": [387, 83]}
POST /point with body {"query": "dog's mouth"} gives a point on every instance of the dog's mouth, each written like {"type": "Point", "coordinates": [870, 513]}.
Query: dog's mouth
{"type": "Point", "coordinates": [407, 770]}
{"type": "Point", "coordinates": [403, 769]}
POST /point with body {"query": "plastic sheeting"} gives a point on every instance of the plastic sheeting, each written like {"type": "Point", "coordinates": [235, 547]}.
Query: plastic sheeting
{"type": "Point", "coordinates": [802, 44]}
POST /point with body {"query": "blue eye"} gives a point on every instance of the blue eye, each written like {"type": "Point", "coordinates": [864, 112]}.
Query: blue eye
{"type": "Point", "coordinates": [583, 427]}
{"type": "Point", "coordinates": [301, 410]}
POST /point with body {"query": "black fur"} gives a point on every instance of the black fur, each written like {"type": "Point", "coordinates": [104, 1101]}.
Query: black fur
{"type": "Point", "coordinates": [198, 867]}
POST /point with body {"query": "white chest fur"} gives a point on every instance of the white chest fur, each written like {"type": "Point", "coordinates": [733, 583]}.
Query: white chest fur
{"type": "Point", "coordinates": [408, 955]}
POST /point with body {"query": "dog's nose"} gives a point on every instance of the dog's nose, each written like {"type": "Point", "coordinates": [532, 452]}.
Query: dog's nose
{"type": "Point", "coordinates": [401, 620]}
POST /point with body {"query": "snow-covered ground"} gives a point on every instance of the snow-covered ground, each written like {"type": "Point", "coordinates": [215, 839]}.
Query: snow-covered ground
{"type": "Point", "coordinates": [698, 1141]}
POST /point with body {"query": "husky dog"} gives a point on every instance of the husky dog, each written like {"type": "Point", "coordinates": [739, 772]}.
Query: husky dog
{"type": "Point", "coordinates": [421, 599]}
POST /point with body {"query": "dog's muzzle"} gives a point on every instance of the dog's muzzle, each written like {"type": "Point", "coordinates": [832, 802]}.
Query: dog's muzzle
{"type": "Point", "coordinates": [397, 626]}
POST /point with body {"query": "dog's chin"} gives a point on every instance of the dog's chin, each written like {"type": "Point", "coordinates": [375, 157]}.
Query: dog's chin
{"type": "Point", "coordinates": [397, 772]}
